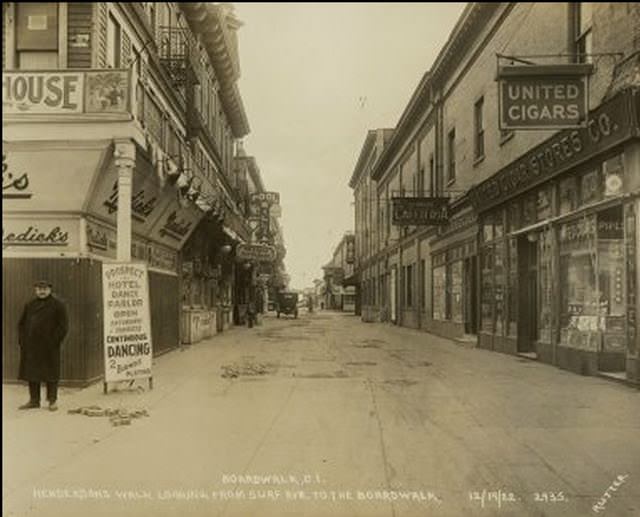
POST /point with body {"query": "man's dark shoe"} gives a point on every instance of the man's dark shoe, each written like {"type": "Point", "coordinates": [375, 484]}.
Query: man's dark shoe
{"type": "Point", "coordinates": [30, 405]}
{"type": "Point", "coordinates": [53, 406]}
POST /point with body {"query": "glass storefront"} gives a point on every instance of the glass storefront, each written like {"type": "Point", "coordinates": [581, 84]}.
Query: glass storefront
{"type": "Point", "coordinates": [565, 250]}
{"type": "Point", "coordinates": [448, 283]}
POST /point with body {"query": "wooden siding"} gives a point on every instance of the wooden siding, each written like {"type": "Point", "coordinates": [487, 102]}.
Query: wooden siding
{"type": "Point", "coordinates": [79, 284]}
{"type": "Point", "coordinates": [80, 21]}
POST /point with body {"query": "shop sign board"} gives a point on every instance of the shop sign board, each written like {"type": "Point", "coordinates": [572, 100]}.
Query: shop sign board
{"type": "Point", "coordinates": [608, 126]}
{"type": "Point", "coordinates": [102, 240]}
{"type": "Point", "coordinates": [543, 96]}
{"type": "Point", "coordinates": [27, 235]}
{"type": "Point", "coordinates": [128, 348]}
{"type": "Point", "coordinates": [53, 92]}
{"type": "Point", "coordinates": [351, 249]}
{"type": "Point", "coordinates": [420, 211]}
{"type": "Point", "coordinates": [52, 177]}
{"type": "Point", "coordinates": [270, 198]}
{"type": "Point", "coordinates": [256, 252]}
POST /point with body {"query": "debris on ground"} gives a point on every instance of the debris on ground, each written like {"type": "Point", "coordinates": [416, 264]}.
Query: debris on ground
{"type": "Point", "coordinates": [116, 416]}
{"type": "Point", "coordinates": [231, 371]}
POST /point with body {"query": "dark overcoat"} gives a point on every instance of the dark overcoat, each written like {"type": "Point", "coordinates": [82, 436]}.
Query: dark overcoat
{"type": "Point", "coordinates": [42, 327]}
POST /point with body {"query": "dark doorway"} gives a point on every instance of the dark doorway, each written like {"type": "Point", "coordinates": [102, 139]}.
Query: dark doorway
{"type": "Point", "coordinates": [471, 295]}
{"type": "Point", "coordinates": [528, 293]}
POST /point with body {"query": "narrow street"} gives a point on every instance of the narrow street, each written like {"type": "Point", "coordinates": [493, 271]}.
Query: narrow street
{"type": "Point", "coordinates": [326, 415]}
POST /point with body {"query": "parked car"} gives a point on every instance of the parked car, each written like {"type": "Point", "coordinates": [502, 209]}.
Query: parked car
{"type": "Point", "coordinates": [287, 303]}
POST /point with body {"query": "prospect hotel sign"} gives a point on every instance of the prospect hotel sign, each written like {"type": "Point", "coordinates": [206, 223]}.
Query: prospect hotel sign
{"type": "Point", "coordinates": [543, 96]}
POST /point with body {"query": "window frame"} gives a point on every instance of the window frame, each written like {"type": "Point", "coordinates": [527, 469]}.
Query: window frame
{"type": "Point", "coordinates": [479, 130]}
{"type": "Point", "coordinates": [451, 156]}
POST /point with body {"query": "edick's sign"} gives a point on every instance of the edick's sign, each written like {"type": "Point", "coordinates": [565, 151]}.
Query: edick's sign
{"type": "Point", "coordinates": [543, 97]}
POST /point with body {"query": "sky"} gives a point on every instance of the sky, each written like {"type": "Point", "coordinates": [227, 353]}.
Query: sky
{"type": "Point", "coordinates": [315, 77]}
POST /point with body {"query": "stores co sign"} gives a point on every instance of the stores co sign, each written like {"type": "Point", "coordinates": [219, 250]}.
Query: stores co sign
{"type": "Point", "coordinates": [543, 97]}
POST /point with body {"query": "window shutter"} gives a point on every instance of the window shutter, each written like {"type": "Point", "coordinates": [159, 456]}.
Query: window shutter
{"type": "Point", "coordinates": [102, 14]}
{"type": "Point", "coordinates": [125, 58]}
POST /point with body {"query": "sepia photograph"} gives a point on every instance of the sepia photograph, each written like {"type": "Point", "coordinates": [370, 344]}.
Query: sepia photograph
{"type": "Point", "coordinates": [320, 259]}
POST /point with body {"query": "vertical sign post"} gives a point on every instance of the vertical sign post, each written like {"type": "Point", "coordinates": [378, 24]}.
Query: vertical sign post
{"type": "Point", "coordinates": [128, 350]}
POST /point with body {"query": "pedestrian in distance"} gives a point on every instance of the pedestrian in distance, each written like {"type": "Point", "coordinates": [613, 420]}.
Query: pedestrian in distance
{"type": "Point", "coordinates": [251, 314]}
{"type": "Point", "coordinates": [41, 330]}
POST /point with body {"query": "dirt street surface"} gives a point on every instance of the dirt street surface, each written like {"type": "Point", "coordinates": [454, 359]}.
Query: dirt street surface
{"type": "Point", "coordinates": [328, 416]}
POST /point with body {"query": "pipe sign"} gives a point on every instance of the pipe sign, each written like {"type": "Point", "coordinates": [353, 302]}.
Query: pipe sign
{"type": "Point", "coordinates": [543, 97]}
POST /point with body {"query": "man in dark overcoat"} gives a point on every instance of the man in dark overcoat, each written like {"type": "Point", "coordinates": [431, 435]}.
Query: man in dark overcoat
{"type": "Point", "coordinates": [41, 330]}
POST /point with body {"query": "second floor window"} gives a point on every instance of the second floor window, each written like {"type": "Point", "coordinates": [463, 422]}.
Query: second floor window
{"type": "Point", "coordinates": [451, 155]}
{"type": "Point", "coordinates": [581, 18]}
{"type": "Point", "coordinates": [36, 34]}
{"type": "Point", "coordinates": [113, 43]}
{"type": "Point", "coordinates": [433, 180]}
{"type": "Point", "coordinates": [479, 128]}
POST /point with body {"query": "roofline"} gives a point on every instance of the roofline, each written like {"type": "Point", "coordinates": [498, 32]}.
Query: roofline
{"type": "Point", "coordinates": [431, 78]}
{"type": "Point", "coordinates": [364, 153]}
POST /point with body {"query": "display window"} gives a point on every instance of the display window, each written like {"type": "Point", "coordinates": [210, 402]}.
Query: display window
{"type": "Point", "coordinates": [580, 300]}
{"type": "Point", "coordinates": [455, 290]}
{"type": "Point", "coordinates": [499, 286]}
{"type": "Point", "coordinates": [512, 288]}
{"type": "Point", "coordinates": [545, 287]}
{"type": "Point", "coordinates": [487, 298]}
{"type": "Point", "coordinates": [439, 292]}
{"type": "Point", "coordinates": [568, 194]}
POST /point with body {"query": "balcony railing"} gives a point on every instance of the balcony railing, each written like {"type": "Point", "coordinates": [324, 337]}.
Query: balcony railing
{"type": "Point", "coordinates": [176, 50]}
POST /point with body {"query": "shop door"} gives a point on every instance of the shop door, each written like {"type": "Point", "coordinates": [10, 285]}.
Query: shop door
{"type": "Point", "coordinates": [471, 295]}
{"type": "Point", "coordinates": [393, 294]}
{"type": "Point", "coordinates": [527, 296]}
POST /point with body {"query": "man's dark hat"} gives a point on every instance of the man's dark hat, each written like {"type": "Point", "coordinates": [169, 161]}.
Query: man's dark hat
{"type": "Point", "coordinates": [42, 283]}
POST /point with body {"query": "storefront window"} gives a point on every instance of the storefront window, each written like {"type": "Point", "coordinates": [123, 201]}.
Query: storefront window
{"type": "Point", "coordinates": [568, 195]}
{"type": "Point", "coordinates": [499, 281]}
{"type": "Point", "coordinates": [529, 210]}
{"type": "Point", "coordinates": [611, 278]}
{"type": "Point", "coordinates": [487, 299]}
{"type": "Point", "coordinates": [545, 288]}
{"type": "Point", "coordinates": [591, 187]}
{"type": "Point", "coordinates": [439, 292]}
{"type": "Point", "coordinates": [512, 288]}
{"type": "Point", "coordinates": [487, 230]}
{"type": "Point", "coordinates": [498, 225]}
{"type": "Point", "coordinates": [456, 290]}
{"type": "Point", "coordinates": [513, 216]}
{"type": "Point", "coordinates": [544, 207]}
{"type": "Point", "coordinates": [579, 307]}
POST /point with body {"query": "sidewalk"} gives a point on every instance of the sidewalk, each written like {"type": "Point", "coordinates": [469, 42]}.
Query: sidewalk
{"type": "Point", "coordinates": [168, 369]}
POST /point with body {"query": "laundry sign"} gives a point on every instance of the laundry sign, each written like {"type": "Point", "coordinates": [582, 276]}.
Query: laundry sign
{"type": "Point", "coordinates": [543, 96]}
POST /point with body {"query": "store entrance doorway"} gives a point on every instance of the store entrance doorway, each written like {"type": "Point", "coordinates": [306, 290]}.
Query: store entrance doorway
{"type": "Point", "coordinates": [528, 294]}
{"type": "Point", "coordinates": [471, 295]}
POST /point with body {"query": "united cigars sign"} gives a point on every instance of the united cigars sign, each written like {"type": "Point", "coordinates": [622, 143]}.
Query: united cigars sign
{"type": "Point", "coordinates": [256, 252]}
{"type": "Point", "coordinates": [420, 211]}
{"type": "Point", "coordinates": [543, 96]}
{"type": "Point", "coordinates": [608, 126]}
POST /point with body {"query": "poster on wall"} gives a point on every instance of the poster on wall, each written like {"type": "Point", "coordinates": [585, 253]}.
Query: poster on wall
{"type": "Point", "coordinates": [127, 322]}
